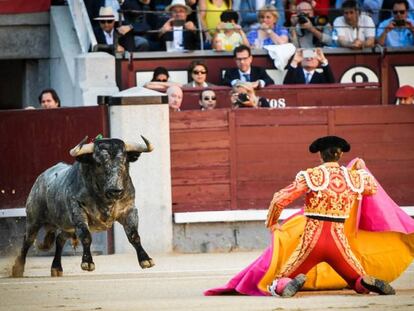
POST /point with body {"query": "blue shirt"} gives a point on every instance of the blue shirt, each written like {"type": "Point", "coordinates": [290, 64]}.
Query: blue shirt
{"type": "Point", "coordinates": [398, 37]}
{"type": "Point", "coordinates": [252, 35]}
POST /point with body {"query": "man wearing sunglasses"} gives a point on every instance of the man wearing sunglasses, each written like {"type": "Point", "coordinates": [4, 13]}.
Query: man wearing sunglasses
{"type": "Point", "coordinates": [208, 100]}
{"type": "Point", "coordinates": [397, 31]}
{"type": "Point", "coordinates": [109, 38]}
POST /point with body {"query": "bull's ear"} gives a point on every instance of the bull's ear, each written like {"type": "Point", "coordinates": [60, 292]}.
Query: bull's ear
{"type": "Point", "coordinates": [85, 158]}
{"type": "Point", "coordinates": [132, 156]}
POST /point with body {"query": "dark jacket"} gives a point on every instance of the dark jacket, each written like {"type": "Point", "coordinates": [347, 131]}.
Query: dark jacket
{"type": "Point", "coordinates": [296, 76]}
{"type": "Point", "coordinates": [126, 41]}
{"type": "Point", "coordinates": [256, 73]}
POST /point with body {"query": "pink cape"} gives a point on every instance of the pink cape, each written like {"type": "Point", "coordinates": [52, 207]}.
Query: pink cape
{"type": "Point", "coordinates": [378, 213]}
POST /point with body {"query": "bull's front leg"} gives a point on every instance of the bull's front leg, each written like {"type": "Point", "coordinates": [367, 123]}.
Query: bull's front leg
{"type": "Point", "coordinates": [82, 231]}
{"type": "Point", "coordinates": [130, 223]}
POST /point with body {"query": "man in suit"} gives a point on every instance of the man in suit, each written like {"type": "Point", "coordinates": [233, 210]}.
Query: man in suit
{"type": "Point", "coordinates": [109, 38]}
{"type": "Point", "coordinates": [303, 68]}
{"type": "Point", "coordinates": [245, 72]}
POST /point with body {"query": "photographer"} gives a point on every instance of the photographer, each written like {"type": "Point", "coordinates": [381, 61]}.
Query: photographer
{"type": "Point", "coordinates": [243, 96]}
{"type": "Point", "coordinates": [397, 31]}
{"type": "Point", "coordinates": [177, 33]}
{"type": "Point", "coordinates": [308, 30]}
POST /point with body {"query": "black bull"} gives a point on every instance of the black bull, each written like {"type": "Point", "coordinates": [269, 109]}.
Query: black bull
{"type": "Point", "coordinates": [71, 201]}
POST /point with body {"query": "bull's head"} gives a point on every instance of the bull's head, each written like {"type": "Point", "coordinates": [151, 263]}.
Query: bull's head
{"type": "Point", "coordinates": [107, 164]}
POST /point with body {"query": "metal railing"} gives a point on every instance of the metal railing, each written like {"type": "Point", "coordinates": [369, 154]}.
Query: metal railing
{"type": "Point", "coordinates": [83, 26]}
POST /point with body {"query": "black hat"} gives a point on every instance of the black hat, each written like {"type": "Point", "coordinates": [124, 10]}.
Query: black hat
{"type": "Point", "coordinates": [326, 142]}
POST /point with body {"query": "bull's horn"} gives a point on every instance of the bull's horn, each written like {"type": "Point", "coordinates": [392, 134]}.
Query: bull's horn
{"type": "Point", "coordinates": [139, 147]}
{"type": "Point", "coordinates": [81, 148]}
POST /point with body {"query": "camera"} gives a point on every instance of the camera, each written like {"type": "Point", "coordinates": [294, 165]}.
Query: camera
{"type": "Point", "coordinates": [399, 22]}
{"type": "Point", "coordinates": [177, 22]}
{"type": "Point", "coordinates": [242, 98]}
{"type": "Point", "coordinates": [302, 18]}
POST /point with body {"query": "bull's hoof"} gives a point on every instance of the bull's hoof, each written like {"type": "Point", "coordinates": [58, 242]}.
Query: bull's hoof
{"type": "Point", "coordinates": [147, 263]}
{"type": "Point", "coordinates": [88, 266]}
{"type": "Point", "coordinates": [56, 272]}
{"type": "Point", "coordinates": [17, 271]}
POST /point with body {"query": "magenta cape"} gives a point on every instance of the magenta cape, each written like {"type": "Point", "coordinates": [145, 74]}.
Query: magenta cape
{"type": "Point", "coordinates": [376, 213]}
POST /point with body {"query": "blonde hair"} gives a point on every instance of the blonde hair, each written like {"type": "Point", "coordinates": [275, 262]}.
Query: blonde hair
{"type": "Point", "coordinates": [269, 8]}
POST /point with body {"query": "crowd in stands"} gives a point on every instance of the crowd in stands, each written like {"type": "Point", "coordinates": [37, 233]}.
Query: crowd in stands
{"type": "Point", "coordinates": [239, 26]}
{"type": "Point", "coordinates": [179, 25]}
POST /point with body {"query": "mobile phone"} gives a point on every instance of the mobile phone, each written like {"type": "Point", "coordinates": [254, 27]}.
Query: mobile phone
{"type": "Point", "coordinates": [228, 26]}
{"type": "Point", "coordinates": [399, 22]}
{"type": "Point", "coordinates": [177, 22]}
{"type": "Point", "coordinates": [308, 53]}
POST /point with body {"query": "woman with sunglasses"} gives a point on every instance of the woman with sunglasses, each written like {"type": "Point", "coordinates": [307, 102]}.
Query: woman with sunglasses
{"type": "Point", "coordinates": [198, 75]}
{"type": "Point", "coordinates": [268, 33]}
{"type": "Point", "coordinates": [160, 81]}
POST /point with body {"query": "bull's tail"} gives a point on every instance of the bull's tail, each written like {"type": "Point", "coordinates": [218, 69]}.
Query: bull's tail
{"type": "Point", "coordinates": [48, 241]}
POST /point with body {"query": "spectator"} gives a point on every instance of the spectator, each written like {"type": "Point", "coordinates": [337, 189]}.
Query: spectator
{"type": "Point", "coordinates": [198, 72]}
{"type": "Point", "coordinates": [302, 68]}
{"type": "Point", "coordinates": [178, 34]}
{"type": "Point", "coordinates": [244, 96]}
{"type": "Point", "coordinates": [397, 31]}
{"type": "Point", "coordinates": [248, 10]}
{"type": "Point", "coordinates": [229, 34]}
{"type": "Point", "coordinates": [139, 22]}
{"type": "Point", "coordinates": [308, 30]}
{"type": "Point", "coordinates": [210, 11]}
{"type": "Point", "coordinates": [405, 95]}
{"type": "Point", "coordinates": [244, 71]}
{"type": "Point", "coordinates": [381, 9]}
{"type": "Point", "coordinates": [208, 99]}
{"type": "Point", "coordinates": [175, 97]}
{"type": "Point", "coordinates": [109, 39]}
{"type": "Point", "coordinates": [49, 99]}
{"type": "Point", "coordinates": [268, 32]}
{"type": "Point", "coordinates": [354, 30]}
{"type": "Point", "coordinates": [160, 81]}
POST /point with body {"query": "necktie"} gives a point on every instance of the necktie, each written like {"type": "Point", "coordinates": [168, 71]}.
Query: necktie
{"type": "Point", "coordinates": [307, 77]}
{"type": "Point", "coordinates": [246, 77]}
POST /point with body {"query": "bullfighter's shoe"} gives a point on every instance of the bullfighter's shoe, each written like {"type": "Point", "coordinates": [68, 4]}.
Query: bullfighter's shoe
{"type": "Point", "coordinates": [294, 286]}
{"type": "Point", "coordinates": [377, 286]}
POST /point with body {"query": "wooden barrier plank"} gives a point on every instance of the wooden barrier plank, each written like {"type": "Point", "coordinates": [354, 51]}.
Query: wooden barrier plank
{"type": "Point", "coordinates": [282, 134]}
{"type": "Point", "coordinates": [204, 175]}
{"type": "Point", "coordinates": [201, 206]}
{"type": "Point", "coordinates": [290, 116]}
{"type": "Point", "coordinates": [201, 193]}
{"type": "Point", "coordinates": [200, 158]}
{"type": "Point", "coordinates": [374, 115]}
{"type": "Point", "coordinates": [377, 133]}
{"type": "Point", "coordinates": [197, 119]}
{"type": "Point", "coordinates": [206, 139]}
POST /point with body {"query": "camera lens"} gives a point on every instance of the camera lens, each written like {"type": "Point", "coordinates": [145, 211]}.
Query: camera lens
{"type": "Point", "coordinates": [302, 18]}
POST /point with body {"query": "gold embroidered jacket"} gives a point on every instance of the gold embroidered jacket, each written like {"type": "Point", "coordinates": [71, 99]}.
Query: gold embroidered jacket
{"type": "Point", "coordinates": [330, 191]}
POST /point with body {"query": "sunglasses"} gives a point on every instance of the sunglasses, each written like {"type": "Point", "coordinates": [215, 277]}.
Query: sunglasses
{"type": "Point", "coordinates": [161, 80]}
{"type": "Point", "coordinates": [196, 72]}
{"type": "Point", "coordinates": [106, 22]}
{"type": "Point", "coordinates": [209, 98]}
{"type": "Point", "coordinates": [401, 12]}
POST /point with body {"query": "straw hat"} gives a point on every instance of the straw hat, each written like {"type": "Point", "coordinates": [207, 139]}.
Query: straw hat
{"type": "Point", "coordinates": [105, 14]}
{"type": "Point", "coordinates": [181, 3]}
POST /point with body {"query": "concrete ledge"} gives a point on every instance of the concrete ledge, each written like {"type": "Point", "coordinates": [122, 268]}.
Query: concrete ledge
{"type": "Point", "coordinates": [241, 215]}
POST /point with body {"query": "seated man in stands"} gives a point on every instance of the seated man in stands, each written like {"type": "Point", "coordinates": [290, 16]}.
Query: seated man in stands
{"type": "Point", "coordinates": [178, 34]}
{"type": "Point", "coordinates": [49, 99]}
{"type": "Point", "coordinates": [308, 30]}
{"type": "Point", "coordinates": [208, 99]}
{"type": "Point", "coordinates": [109, 38]}
{"type": "Point", "coordinates": [243, 96]}
{"type": "Point", "coordinates": [405, 95]}
{"type": "Point", "coordinates": [397, 31]}
{"type": "Point", "coordinates": [139, 22]}
{"type": "Point", "coordinates": [303, 68]}
{"type": "Point", "coordinates": [244, 71]}
{"type": "Point", "coordinates": [175, 97]}
{"type": "Point", "coordinates": [354, 29]}
{"type": "Point", "coordinates": [160, 80]}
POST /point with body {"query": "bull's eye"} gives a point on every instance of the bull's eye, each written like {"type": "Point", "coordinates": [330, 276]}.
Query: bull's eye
{"type": "Point", "coordinates": [98, 164]}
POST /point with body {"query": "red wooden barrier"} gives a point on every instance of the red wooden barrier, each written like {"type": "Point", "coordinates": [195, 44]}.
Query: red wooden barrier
{"type": "Point", "coordinates": [235, 159]}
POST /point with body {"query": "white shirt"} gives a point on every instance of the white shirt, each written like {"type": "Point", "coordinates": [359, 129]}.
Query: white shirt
{"type": "Point", "coordinates": [109, 37]}
{"type": "Point", "coordinates": [364, 30]}
{"type": "Point", "coordinates": [178, 38]}
{"type": "Point", "coordinates": [305, 72]}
